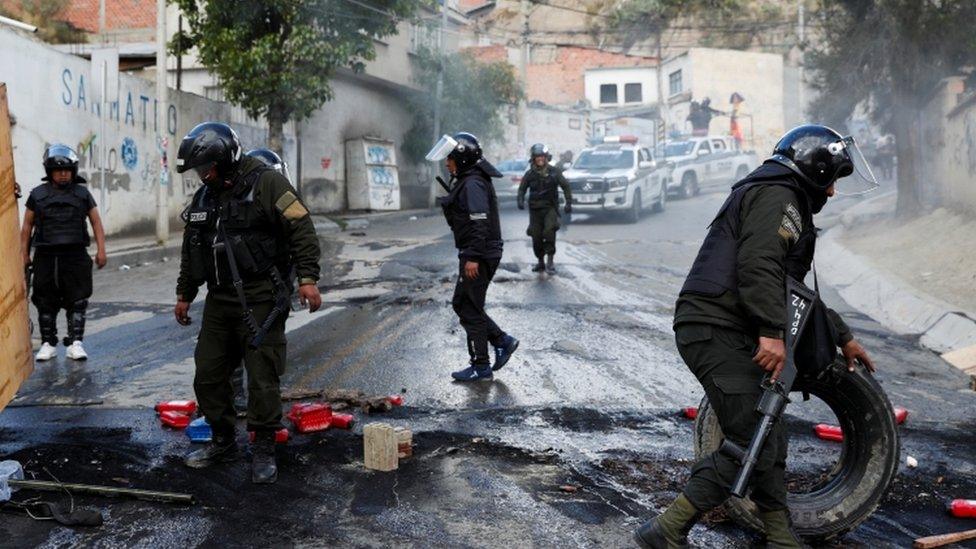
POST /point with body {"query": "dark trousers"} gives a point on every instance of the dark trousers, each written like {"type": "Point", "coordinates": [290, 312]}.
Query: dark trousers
{"type": "Point", "coordinates": [543, 224]}
{"type": "Point", "coordinates": [62, 280]}
{"type": "Point", "coordinates": [222, 344]}
{"type": "Point", "coordinates": [721, 359]}
{"type": "Point", "coordinates": [469, 304]}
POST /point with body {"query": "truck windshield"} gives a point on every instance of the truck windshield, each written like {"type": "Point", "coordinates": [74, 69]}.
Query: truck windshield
{"type": "Point", "coordinates": [681, 148]}
{"type": "Point", "coordinates": [605, 159]}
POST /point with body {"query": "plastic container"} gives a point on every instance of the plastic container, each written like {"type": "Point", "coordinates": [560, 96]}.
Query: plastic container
{"type": "Point", "coordinates": [281, 435]}
{"type": "Point", "coordinates": [395, 400]}
{"type": "Point", "coordinates": [690, 412]}
{"type": "Point", "coordinates": [901, 415]}
{"type": "Point", "coordinates": [962, 508]}
{"type": "Point", "coordinates": [309, 417]}
{"type": "Point", "coordinates": [199, 430]}
{"type": "Point", "coordinates": [183, 406]}
{"type": "Point", "coordinates": [832, 433]}
{"type": "Point", "coordinates": [176, 420]}
{"type": "Point", "coordinates": [342, 421]}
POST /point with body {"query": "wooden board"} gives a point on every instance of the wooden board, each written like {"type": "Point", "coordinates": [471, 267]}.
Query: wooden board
{"type": "Point", "coordinates": [16, 360]}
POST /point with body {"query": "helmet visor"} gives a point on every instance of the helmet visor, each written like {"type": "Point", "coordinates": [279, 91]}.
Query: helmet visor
{"type": "Point", "coordinates": [441, 149]}
{"type": "Point", "coordinates": [861, 180]}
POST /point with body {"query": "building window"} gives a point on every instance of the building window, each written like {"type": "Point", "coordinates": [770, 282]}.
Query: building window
{"type": "Point", "coordinates": [424, 36]}
{"type": "Point", "coordinates": [674, 81]}
{"type": "Point", "coordinates": [633, 93]}
{"type": "Point", "coordinates": [608, 94]}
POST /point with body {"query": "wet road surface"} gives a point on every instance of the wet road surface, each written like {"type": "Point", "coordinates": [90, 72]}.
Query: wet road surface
{"type": "Point", "coordinates": [590, 400]}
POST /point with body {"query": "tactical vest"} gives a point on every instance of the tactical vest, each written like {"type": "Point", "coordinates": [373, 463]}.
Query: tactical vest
{"type": "Point", "coordinates": [59, 216]}
{"type": "Point", "coordinates": [714, 270]}
{"type": "Point", "coordinates": [460, 220]}
{"type": "Point", "coordinates": [248, 230]}
{"type": "Point", "coordinates": [543, 188]}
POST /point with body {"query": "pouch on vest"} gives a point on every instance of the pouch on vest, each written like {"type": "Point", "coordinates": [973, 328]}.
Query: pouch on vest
{"type": "Point", "coordinates": [817, 346]}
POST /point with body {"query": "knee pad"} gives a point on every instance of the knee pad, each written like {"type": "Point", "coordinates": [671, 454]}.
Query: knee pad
{"type": "Point", "coordinates": [79, 306]}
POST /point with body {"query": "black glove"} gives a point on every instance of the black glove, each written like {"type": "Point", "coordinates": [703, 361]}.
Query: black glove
{"type": "Point", "coordinates": [521, 205]}
{"type": "Point", "coordinates": [568, 209]}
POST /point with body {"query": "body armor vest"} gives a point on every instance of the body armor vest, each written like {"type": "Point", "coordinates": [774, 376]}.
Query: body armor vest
{"type": "Point", "coordinates": [543, 188]}
{"type": "Point", "coordinates": [714, 270]}
{"type": "Point", "coordinates": [459, 218]}
{"type": "Point", "coordinates": [60, 215]}
{"type": "Point", "coordinates": [246, 227]}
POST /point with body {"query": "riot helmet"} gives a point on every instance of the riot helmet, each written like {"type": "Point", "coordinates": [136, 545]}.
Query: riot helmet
{"type": "Point", "coordinates": [210, 145]}
{"type": "Point", "coordinates": [60, 157]}
{"type": "Point", "coordinates": [540, 149]}
{"type": "Point", "coordinates": [820, 156]}
{"type": "Point", "coordinates": [463, 148]}
{"type": "Point", "coordinates": [270, 159]}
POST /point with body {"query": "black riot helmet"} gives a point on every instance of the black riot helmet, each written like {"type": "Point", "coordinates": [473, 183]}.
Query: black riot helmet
{"type": "Point", "coordinates": [211, 144]}
{"type": "Point", "coordinates": [820, 156]}
{"type": "Point", "coordinates": [60, 157]}
{"type": "Point", "coordinates": [540, 149]}
{"type": "Point", "coordinates": [463, 148]}
{"type": "Point", "coordinates": [270, 159]}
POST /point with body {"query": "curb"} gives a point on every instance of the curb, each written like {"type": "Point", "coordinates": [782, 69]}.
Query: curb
{"type": "Point", "coordinates": [904, 309]}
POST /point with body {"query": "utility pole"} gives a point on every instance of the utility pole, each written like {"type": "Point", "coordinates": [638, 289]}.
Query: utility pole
{"type": "Point", "coordinates": [438, 94]}
{"type": "Point", "coordinates": [523, 74]}
{"type": "Point", "coordinates": [162, 125]}
{"type": "Point", "coordinates": [662, 99]}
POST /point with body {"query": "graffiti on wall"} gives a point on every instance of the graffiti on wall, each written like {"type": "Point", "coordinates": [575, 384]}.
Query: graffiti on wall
{"type": "Point", "coordinates": [137, 113]}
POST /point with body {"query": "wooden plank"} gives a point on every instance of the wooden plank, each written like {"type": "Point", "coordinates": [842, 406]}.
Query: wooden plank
{"type": "Point", "coordinates": [16, 360]}
{"type": "Point", "coordinates": [943, 539]}
{"type": "Point", "coordinates": [380, 447]}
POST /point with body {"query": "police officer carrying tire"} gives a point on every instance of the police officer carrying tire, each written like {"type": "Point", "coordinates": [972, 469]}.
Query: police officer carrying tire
{"type": "Point", "coordinates": [471, 209]}
{"type": "Point", "coordinates": [54, 224]}
{"type": "Point", "coordinates": [543, 181]}
{"type": "Point", "coordinates": [245, 229]}
{"type": "Point", "coordinates": [731, 314]}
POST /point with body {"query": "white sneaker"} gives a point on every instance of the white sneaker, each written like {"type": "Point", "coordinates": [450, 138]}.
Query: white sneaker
{"type": "Point", "coordinates": [75, 351]}
{"type": "Point", "coordinates": [46, 352]}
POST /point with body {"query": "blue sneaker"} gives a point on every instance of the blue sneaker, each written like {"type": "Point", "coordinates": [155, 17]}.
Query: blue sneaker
{"type": "Point", "coordinates": [505, 351]}
{"type": "Point", "coordinates": [472, 373]}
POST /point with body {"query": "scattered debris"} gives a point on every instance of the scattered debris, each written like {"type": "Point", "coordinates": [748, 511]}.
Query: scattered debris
{"type": "Point", "coordinates": [12, 475]}
{"type": "Point", "coordinates": [569, 488]}
{"type": "Point", "coordinates": [911, 462]}
{"type": "Point", "coordinates": [300, 395]}
{"type": "Point", "coordinates": [176, 420]}
{"type": "Point", "coordinates": [199, 430]}
{"type": "Point", "coordinates": [309, 417]}
{"type": "Point", "coordinates": [477, 440]}
{"type": "Point", "coordinates": [341, 399]}
{"type": "Point", "coordinates": [962, 508]}
{"type": "Point", "coordinates": [182, 406]}
{"type": "Point", "coordinates": [380, 451]}
{"type": "Point", "coordinates": [831, 433]}
{"type": "Point", "coordinates": [413, 218]}
{"type": "Point", "coordinates": [165, 259]}
{"type": "Point", "coordinates": [404, 442]}
{"type": "Point", "coordinates": [281, 435]}
{"type": "Point", "coordinates": [901, 414]}
{"type": "Point", "coordinates": [690, 412]}
{"type": "Point", "coordinates": [342, 421]}
{"type": "Point", "coordinates": [943, 539]}
{"type": "Point", "coordinates": [358, 233]}
{"type": "Point", "coordinates": [51, 400]}
{"type": "Point", "coordinates": [124, 267]}
{"type": "Point", "coordinates": [395, 400]}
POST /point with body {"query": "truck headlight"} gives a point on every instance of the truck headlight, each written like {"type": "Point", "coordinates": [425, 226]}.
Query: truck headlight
{"type": "Point", "coordinates": [617, 184]}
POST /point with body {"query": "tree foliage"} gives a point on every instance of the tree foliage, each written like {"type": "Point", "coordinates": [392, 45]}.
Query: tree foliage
{"type": "Point", "coordinates": [888, 56]}
{"type": "Point", "coordinates": [275, 58]}
{"type": "Point", "coordinates": [641, 19]}
{"type": "Point", "coordinates": [47, 16]}
{"type": "Point", "coordinates": [474, 97]}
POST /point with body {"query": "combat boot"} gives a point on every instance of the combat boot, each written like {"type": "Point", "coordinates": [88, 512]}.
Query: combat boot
{"type": "Point", "coordinates": [264, 468]}
{"type": "Point", "coordinates": [779, 530]}
{"type": "Point", "coordinates": [504, 351]}
{"type": "Point", "coordinates": [550, 265]}
{"type": "Point", "coordinates": [669, 530]}
{"type": "Point", "coordinates": [222, 448]}
{"type": "Point", "coordinates": [539, 267]}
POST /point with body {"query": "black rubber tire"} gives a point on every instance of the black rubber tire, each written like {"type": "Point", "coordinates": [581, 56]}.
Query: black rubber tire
{"type": "Point", "coordinates": [661, 201]}
{"type": "Point", "coordinates": [689, 185]}
{"type": "Point", "coordinates": [633, 215]}
{"type": "Point", "coordinates": [863, 474]}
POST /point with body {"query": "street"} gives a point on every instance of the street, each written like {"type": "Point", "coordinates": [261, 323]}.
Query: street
{"type": "Point", "coordinates": [574, 443]}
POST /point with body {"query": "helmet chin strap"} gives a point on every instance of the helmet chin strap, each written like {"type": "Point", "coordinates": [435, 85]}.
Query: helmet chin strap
{"type": "Point", "coordinates": [817, 195]}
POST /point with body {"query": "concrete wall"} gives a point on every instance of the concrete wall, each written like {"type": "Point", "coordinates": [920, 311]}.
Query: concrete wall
{"type": "Point", "coordinates": [645, 76]}
{"type": "Point", "coordinates": [947, 127]}
{"type": "Point", "coordinates": [561, 129]}
{"type": "Point", "coordinates": [53, 99]}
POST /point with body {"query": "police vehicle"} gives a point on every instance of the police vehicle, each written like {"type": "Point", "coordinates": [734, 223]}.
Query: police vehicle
{"type": "Point", "coordinates": [617, 175]}
{"type": "Point", "coordinates": [705, 163]}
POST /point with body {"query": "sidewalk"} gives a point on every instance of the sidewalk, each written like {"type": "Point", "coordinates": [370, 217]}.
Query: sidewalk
{"type": "Point", "coordinates": [914, 276]}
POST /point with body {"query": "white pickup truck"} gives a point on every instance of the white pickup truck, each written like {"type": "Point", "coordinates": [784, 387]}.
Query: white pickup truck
{"type": "Point", "coordinates": [705, 163]}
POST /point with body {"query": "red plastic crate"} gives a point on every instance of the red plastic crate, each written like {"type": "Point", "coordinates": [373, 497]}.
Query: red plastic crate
{"type": "Point", "coordinates": [187, 407]}
{"type": "Point", "coordinates": [176, 420]}
{"type": "Point", "coordinates": [395, 400]}
{"type": "Point", "coordinates": [901, 415]}
{"type": "Point", "coordinates": [342, 421]}
{"type": "Point", "coordinates": [962, 508]}
{"type": "Point", "coordinates": [832, 433]}
{"type": "Point", "coordinates": [309, 417]}
{"type": "Point", "coordinates": [690, 412]}
{"type": "Point", "coordinates": [281, 435]}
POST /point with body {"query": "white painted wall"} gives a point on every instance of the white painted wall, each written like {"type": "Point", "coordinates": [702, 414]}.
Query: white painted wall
{"type": "Point", "coordinates": [52, 98]}
{"type": "Point", "coordinates": [646, 76]}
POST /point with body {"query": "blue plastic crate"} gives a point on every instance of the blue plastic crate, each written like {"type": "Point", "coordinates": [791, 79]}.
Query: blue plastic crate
{"type": "Point", "coordinates": [199, 430]}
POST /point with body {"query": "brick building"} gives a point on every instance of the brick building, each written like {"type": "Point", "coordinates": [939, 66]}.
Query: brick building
{"type": "Point", "coordinates": [125, 20]}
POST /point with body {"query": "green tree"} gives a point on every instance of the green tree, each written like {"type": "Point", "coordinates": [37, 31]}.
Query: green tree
{"type": "Point", "coordinates": [275, 58]}
{"type": "Point", "coordinates": [888, 55]}
{"type": "Point", "coordinates": [474, 99]}
{"type": "Point", "coordinates": [47, 16]}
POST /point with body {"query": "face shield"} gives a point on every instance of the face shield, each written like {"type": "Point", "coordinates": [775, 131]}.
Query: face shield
{"type": "Point", "coordinates": [861, 180]}
{"type": "Point", "coordinates": [441, 149]}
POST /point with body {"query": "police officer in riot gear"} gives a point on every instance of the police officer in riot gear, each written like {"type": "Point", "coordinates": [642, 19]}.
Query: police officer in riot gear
{"type": "Point", "coordinates": [245, 228]}
{"type": "Point", "coordinates": [270, 159]}
{"type": "Point", "coordinates": [54, 224]}
{"type": "Point", "coordinates": [543, 182]}
{"type": "Point", "coordinates": [471, 209]}
{"type": "Point", "coordinates": [731, 314]}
